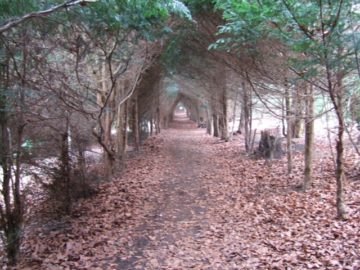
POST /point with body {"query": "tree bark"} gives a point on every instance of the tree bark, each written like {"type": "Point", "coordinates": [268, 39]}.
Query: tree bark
{"type": "Point", "coordinates": [65, 169]}
{"type": "Point", "coordinates": [288, 128]}
{"type": "Point", "coordinates": [340, 171]}
{"type": "Point", "coordinates": [336, 95]}
{"type": "Point", "coordinates": [135, 126]}
{"type": "Point", "coordinates": [309, 137]}
{"type": "Point", "coordinates": [247, 109]}
{"type": "Point", "coordinates": [11, 210]}
{"type": "Point", "coordinates": [241, 121]}
{"type": "Point", "coordinates": [125, 126]}
{"type": "Point", "coordinates": [105, 122]}
{"type": "Point", "coordinates": [208, 121]}
{"type": "Point", "coordinates": [298, 111]}
{"type": "Point", "coordinates": [157, 120]}
{"type": "Point", "coordinates": [120, 136]}
{"type": "Point", "coordinates": [151, 126]}
{"type": "Point", "coordinates": [216, 125]}
{"type": "Point", "coordinates": [234, 115]}
{"type": "Point", "coordinates": [224, 116]}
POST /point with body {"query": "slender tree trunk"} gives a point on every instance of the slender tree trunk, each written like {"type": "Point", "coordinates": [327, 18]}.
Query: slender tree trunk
{"type": "Point", "coordinates": [340, 171]}
{"type": "Point", "coordinates": [120, 136]}
{"type": "Point", "coordinates": [283, 118]}
{"type": "Point", "coordinates": [216, 125]}
{"type": "Point", "coordinates": [9, 221]}
{"type": "Point", "coordinates": [82, 168]}
{"type": "Point", "coordinates": [298, 111]}
{"type": "Point", "coordinates": [135, 127]}
{"type": "Point", "coordinates": [289, 120]}
{"type": "Point", "coordinates": [247, 116]}
{"type": "Point", "coordinates": [157, 123]}
{"type": "Point", "coordinates": [18, 202]}
{"type": "Point", "coordinates": [65, 168]}
{"type": "Point", "coordinates": [234, 115]}
{"type": "Point", "coordinates": [208, 121]}
{"type": "Point", "coordinates": [336, 93]}
{"type": "Point", "coordinates": [309, 137]}
{"type": "Point", "coordinates": [224, 116]}
{"type": "Point", "coordinates": [241, 121]}
{"type": "Point", "coordinates": [107, 129]}
{"type": "Point", "coordinates": [106, 123]}
{"type": "Point", "coordinates": [125, 126]}
{"type": "Point", "coordinates": [151, 126]}
{"type": "Point", "coordinates": [11, 210]}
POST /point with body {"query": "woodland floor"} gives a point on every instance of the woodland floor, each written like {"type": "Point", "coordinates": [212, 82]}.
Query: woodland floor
{"type": "Point", "coordinates": [190, 201]}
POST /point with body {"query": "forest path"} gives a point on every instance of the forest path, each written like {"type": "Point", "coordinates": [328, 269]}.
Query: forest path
{"type": "Point", "coordinates": [190, 201]}
{"type": "Point", "coordinates": [178, 210]}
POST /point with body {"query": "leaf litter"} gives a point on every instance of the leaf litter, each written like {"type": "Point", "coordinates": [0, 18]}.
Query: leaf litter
{"type": "Point", "coordinates": [190, 202]}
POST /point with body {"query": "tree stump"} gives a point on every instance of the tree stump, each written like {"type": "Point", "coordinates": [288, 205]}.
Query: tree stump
{"type": "Point", "coordinates": [270, 146]}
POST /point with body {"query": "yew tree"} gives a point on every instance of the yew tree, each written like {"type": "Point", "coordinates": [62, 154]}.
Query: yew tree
{"type": "Point", "coordinates": [50, 55]}
{"type": "Point", "coordinates": [322, 40]}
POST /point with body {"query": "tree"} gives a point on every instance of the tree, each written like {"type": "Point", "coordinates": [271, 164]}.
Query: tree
{"type": "Point", "coordinates": [53, 72]}
{"type": "Point", "coordinates": [317, 32]}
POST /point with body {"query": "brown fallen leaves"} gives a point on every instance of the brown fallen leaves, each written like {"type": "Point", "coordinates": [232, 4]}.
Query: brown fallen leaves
{"type": "Point", "coordinates": [190, 203]}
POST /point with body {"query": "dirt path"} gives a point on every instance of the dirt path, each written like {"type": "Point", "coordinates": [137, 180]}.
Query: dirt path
{"type": "Point", "coordinates": [189, 201]}
{"type": "Point", "coordinates": [181, 212]}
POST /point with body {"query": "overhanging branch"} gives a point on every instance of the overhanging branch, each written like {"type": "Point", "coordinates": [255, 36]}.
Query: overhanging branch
{"type": "Point", "coordinates": [12, 23]}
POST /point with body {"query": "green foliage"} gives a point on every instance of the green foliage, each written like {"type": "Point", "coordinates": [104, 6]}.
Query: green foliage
{"type": "Point", "coordinates": [200, 6]}
{"type": "Point", "coordinates": [321, 30]}
{"type": "Point", "coordinates": [144, 16]}
{"type": "Point", "coordinates": [11, 8]}
{"type": "Point", "coordinates": [179, 8]}
{"type": "Point", "coordinates": [246, 23]}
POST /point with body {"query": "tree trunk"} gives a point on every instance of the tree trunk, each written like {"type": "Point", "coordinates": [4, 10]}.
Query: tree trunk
{"type": "Point", "coordinates": [120, 136]}
{"type": "Point", "coordinates": [135, 126]}
{"type": "Point", "coordinates": [10, 222]}
{"type": "Point", "coordinates": [224, 116]}
{"type": "Point", "coordinates": [65, 169]}
{"type": "Point", "coordinates": [241, 121]}
{"type": "Point", "coordinates": [288, 129]}
{"type": "Point", "coordinates": [309, 137]}
{"type": "Point", "coordinates": [105, 122]}
{"type": "Point", "coordinates": [340, 172]}
{"type": "Point", "coordinates": [296, 127]}
{"type": "Point", "coordinates": [283, 117]}
{"type": "Point", "coordinates": [151, 126]}
{"type": "Point", "coordinates": [125, 126]}
{"type": "Point", "coordinates": [234, 114]}
{"type": "Point", "coordinates": [11, 210]}
{"type": "Point", "coordinates": [336, 94]}
{"type": "Point", "coordinates": [247, 106]}
{"type": "Point", "coordinates": [157, 120]}
{"type": "Point", "coordinates": [82, 168]}
{"type": "Point", "coordinates": [208, 122]}
{"type": "Point", "coordinates": [216, 125]}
